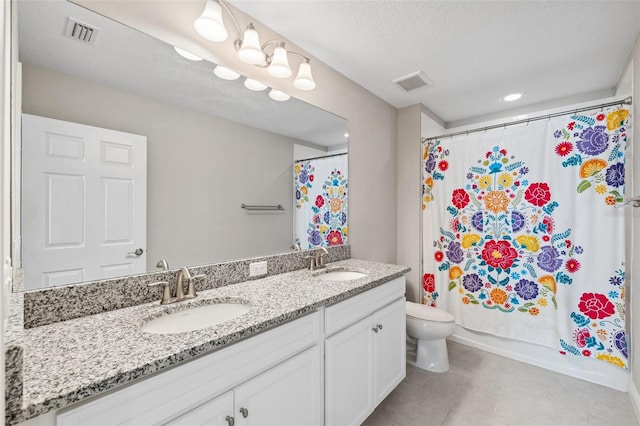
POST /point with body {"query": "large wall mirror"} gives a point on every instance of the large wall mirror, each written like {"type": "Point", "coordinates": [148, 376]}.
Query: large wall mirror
{"type": "Point", "coordinates": [208, 146]}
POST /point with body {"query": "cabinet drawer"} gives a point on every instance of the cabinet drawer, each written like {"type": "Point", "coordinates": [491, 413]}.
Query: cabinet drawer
{"type": "Point", "coordinates": [349, 311]}
{"type": "Point", "coordinates": [180, 389]}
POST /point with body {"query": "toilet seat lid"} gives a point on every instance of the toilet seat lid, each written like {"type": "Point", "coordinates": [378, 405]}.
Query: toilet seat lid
{"type": "Point", "coordinates": [428, 313]}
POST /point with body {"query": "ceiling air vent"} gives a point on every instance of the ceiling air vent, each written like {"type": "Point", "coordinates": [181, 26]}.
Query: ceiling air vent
{"type": "Point", "coordinates": [80, 31]}
{"type": "Point", "coordinates": [413, 81]}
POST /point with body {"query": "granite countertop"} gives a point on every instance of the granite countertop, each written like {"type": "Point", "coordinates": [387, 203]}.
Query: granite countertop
{"type": "Point", "coordinates": [71, 360]}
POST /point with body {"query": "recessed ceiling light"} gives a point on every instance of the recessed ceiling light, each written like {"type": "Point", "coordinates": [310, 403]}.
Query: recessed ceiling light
{"type": "Point", "coordinates": [511, 97]}
{"type": "Point", "coordinates": [188, 55]}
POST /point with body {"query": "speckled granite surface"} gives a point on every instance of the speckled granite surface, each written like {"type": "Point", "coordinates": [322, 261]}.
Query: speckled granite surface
{"type": "Point", "coordinates": [42, 307]}
{"type": "Point", "coordinates": [68, 361]}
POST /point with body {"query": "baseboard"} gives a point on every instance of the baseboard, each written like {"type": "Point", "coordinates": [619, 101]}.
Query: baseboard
{"type": "Point", "coordinates": [634, 396]}
{"type": "Point", "coordinates": [593, 371]}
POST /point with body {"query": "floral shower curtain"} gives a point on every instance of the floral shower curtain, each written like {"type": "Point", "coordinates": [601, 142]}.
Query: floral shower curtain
{"type": "Point", "coordinates": [521, 237]}
{"type": "Point", "coordinates": [322, 211]}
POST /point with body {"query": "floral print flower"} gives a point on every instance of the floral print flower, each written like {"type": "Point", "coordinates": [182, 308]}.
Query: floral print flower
{"type": "Point", "coordinates": [336, 205]}
{"type": "Point", "coordinates": [439, 256]}
{"type": "Point", "coordinates": [443, 165]}
{"type": "Point", "coordinates": [593, 140]}
{"type": "Point", "coordinates": [591, 167]}
{"type": "Point", "coordinates": [596, 306]}
{"type": "Point", "coordinates": [505, 180]}
{"type": "Point", "coordinates": [460, 198]}
{"type": "Point", "coordinates": [429, 283]}
{"type": "Point", "coordinates": [564, 148]}
{"type": "Point", "coordinates": [527, 289]}
{"type": "Point", "coordinates": [319, 201]}
{"type": "Point", "coordinates": [542, 301]}
{"type": "Point", "coordinates": [616, 118]}
{"type": "Point", "coordinates": [334, 238]}
{"type": "Point", "coordinates": [615, 175]}
{"type": "Point", "coordinates": [485, 182]}
{"type": "Point", "coordinates": [430, 164]}
{"type": "Point", "coordinates": [498, 296]}
{"type": "Point", "coordinates": [610, 200]}
{"type": "Point", "coordinates": [572, 265]}
{"type": "Point", "coordinates": [469, 240]}
{"type": "Point", "coordinates": [534, 311]}
{"type": "Point", "coordinates": [615, 280]}
{"type": "Point", "coordinates": [455, 253]}
{"type": "Point", "coordinates": [496, 201]}
{"type": "Point", "coordinates": [518, 221]}
{"type": "Point", "coordinates": [538, 194]}
{"type": "Point", "coordinates": [315, 239]}
{"type": "Point", "coordinates": [499, 254]}
{"type": "Point", "coordinates": [601, 189]}
{"type": "Point", "coordinates": [455, 272]}
{"type": "Point", "coordinates": [528, 242]}
{"type": "Point", "coordinates": [477, 221]}
{"type": "Point", "coordinates": [472, 282]}
{"type": "Point", "coordinates": [548, 259]}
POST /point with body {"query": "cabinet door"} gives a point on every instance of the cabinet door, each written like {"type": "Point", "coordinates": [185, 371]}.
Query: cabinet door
{"type": "Point", "coordinates": [348, 379]}
{"type": "Point", "coordinates": [217, 412]}
{"type": "Point", "coordinates": [288, 394]}
{"type": "Point", "coordinates": [390, 343]}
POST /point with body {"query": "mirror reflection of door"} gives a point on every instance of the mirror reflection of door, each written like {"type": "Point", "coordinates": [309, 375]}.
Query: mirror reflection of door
{"type": "Point", "coordinates": [84, 202]}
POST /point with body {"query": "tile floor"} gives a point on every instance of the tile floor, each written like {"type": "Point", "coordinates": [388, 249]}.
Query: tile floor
{"type": "Point", "coordinates": [486, 389]}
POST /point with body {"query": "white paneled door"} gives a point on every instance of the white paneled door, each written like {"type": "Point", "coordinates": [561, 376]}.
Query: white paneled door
{"type": "Point", "coordinates": [83, 202]}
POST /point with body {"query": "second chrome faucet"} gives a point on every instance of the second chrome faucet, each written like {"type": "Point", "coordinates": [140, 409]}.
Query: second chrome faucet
{"type": "Point", "coordinates": [183, 276]}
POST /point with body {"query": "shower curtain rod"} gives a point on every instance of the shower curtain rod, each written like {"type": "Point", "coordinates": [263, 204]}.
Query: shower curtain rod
{"type": "Point", "coordinates": [626, 101]}
{"type": "Point", "coordinates": [322, 156]}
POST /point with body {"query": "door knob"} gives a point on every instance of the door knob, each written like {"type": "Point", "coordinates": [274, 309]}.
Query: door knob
{"type": "Point", "coordinates": [379, 326]}
{"type": "Point", "coordinates": [230, 420]}
{"type": "Point", "coordinates": [375, 329]}
{"type": "Point", "coordinates": [244, 412]}
{"type": "Point", "coordinates": [138, 252]}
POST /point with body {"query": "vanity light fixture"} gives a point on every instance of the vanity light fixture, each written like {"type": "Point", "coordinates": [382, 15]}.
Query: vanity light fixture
{"type": "Point", "coordinates": [187, 55]}
{"type": "Point", "coordinates": [254, 85]}
{"type": "Point", "coordinates": [278, 95]}
{"type": "Point", "coordinates": [210, 25]}
{"type": "Point", "coordinates": [225, 73]}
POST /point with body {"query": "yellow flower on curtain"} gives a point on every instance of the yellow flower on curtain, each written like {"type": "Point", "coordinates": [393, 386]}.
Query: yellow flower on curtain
{"type": "Point", "coordinates": [469, 240]}
{"type": "Point", "coordinates": [529, 242]}
{"type": "Point", "coordinates": [505, 180]}
{"type": "Point", "coordinates": [611, 359]}
{"type": "Point", "coordinates": [336, 205]}
{"type": "Point", "coordinates": [496, 201]}
{"type": "Point", "coordinates": [616, 118]}
{"type": "Point", "coordinates": [455, 272]}
{"type": "Point", "coordinates": [485, 182]}
{"type": "Point", "coordinates": [591, 167]}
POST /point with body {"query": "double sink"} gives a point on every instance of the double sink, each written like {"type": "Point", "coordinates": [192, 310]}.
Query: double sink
{"type": "Point", "coordinates": [198, 316]}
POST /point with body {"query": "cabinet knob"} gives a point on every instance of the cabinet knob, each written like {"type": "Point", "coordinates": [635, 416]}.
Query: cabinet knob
{"type": "Point", "coordinates": [244, 412]}
{"type": "Point", "coordinates": [379, 326]}
{"type": "Point", "coordinates": [375, 329]}
{"type": "Point", "coordinates": [230, 420]}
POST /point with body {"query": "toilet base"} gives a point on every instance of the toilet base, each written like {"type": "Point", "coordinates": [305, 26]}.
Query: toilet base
{"type": "Point", "coordinates": [431, 355]}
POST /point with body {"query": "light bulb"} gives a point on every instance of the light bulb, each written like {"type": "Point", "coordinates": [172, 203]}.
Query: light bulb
{"type": "Point", "coordinates": [254, 85]}
{"type": "Point", "coordinates": [250, 51]}
{"type": "Point", "coordinates": [304, 79]}
{"type": "Point", "coordinates": [187, 55]}
{"type": "Point", "coordinates": [225, 73]}
{"type": "Point", "coordinates": [279, 65]}
{"type": "Point", "coordinates": [210, 25]}
{"type": "Point", "coordinates": [278, 95]}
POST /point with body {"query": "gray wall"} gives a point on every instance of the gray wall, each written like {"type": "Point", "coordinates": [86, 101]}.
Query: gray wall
{"type": "Point", "coordinates": [200, 169]}
{"type": "Point", "coordinates": [372, 122]}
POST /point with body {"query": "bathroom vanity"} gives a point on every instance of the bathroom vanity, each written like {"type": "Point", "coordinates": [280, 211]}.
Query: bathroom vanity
{"type": "Point", "coordinates": [311, 351]}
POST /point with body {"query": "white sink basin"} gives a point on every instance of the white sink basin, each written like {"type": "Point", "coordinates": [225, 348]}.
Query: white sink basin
{"type": "Point", "coordinates": [340, 275]}
{"type": "Point", "coordinates": [195, 318]}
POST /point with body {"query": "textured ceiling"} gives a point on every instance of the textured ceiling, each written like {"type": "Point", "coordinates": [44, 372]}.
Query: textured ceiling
{"type": "Point", "coordinates": [473, 51]}
{"type": "Point", "coordinates": [135, 62]}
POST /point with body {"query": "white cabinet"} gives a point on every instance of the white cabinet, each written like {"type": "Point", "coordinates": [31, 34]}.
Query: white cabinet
{"type": "Point", "coordinates": [288, 394]}
{"type": "Point", "coordinates": [365, 361]}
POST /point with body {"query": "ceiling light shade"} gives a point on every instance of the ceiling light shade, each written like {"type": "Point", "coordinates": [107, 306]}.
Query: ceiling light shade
{"type": "Point", "coordinates": [210, 25]}
{"type": "Point", "coordinates": [187, 55]}
{"type": "Point", "coordinates": [512, 97]}
{"type": "Point", "coordinates": [279, 96]}
{"type": "Point", "coordinates": [279, 65]}
{"type": "Point", "coordinates": [304, 79]}
{"type": "Point", "coordinates": [254, 85]}
{"type": "Point", "coordinates": [225, 73]}
{"type": "Point", "coordinates": [250, 51]}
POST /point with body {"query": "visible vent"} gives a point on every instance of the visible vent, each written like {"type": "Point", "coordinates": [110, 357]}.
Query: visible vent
{"type": "Point", "coordinates": [413, 81]}
{"type": "Point", "coordinates": [80, 31]}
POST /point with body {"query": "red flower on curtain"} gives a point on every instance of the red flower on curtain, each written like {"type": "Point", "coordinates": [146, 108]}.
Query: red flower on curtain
{"type": "Point", "coordinates": [538, 194]}
{"type": "Point", "coordinates": [596, 306]}
{"type": "Point", "coordinates": [460, 198]}
{"type": "Point", "coordinates": [429, 283]}
{"type": "Point", "coordinates": [319, 201]}
{"type": "Point", "coordinates": [334, 238]}
{"type": "Point", "coordinates": [499, 254]}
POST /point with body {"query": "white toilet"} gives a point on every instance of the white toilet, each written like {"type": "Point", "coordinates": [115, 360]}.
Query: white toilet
{"type": "Point", "coordinates": [427, 327]}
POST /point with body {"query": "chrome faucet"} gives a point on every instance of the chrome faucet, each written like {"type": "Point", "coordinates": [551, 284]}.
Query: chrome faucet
{"type": "Point", "coordinates": [316, 259]}
{"type": "Point", "coordinates": [180, 295]}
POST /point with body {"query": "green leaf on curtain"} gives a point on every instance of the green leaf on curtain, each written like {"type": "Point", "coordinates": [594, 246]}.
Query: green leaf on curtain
{"type": "Point", "coordinates": [518, 198]}
{"type": "Point", "coordinates": [513, 166]}
{"type": "Point", "coordinates": [566, 134]}
{"type": "Point", "coordinates": [583, 186]}
{"type": "Point", "coordinates": [555, 304]}
{"type": "Point", "coordinates": [504, 281]}
{"type": "Point", "coordinates": [589, 120]}
{"type": "Point", "coordinates": [561, 236]}
{"type": "Point", "coordinates": [447, 234]}
{"type": "Point", "coordinates": [614, 153]}
{"type": "Point", "coordinates": [531, 270]}
{"type": "Point", "coordinates": [452, 285]}
{"type": "Point", "coordinates": [569, 348]}
{"type": "Point", "coordinates": [492, 280]}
